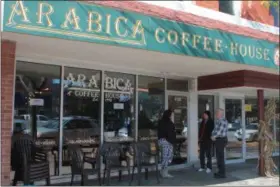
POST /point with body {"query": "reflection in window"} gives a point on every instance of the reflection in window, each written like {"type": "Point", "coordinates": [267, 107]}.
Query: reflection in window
{"type": "Point", "coordinates": [37, 81]}
{"type": "Point", "coordinates": [81, 112]}
{"type": "Point", "coordinates": [205, 102]}
{"type": "Point", "coordinates": [177, 85]}
{"type": "Point", "coordinates": [118, 106]}
{"type": "Point", "coordinates": [151, 105]}
{"type": "Point", "coordinates": [226, 6]}
{"type": "Point", "coordinates": [233, 113]}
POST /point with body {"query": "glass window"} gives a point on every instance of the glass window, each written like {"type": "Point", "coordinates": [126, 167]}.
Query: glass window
{"type": "Point", "coordinates": [179, 104]}
{"type": "Point", "coordinates": [205, 103]}
{"type": "Point", "coordinates": [233, 113]}
{"type": "Point", "coordinates": [251, 136]}
{"type": "Point", "coordinates": [81, 112]}
{"type": "Point", "coordinates": [151, 106]}
{"type": "Point", "coordinates": [226, 7]}
{"type": "Point", "coordinates": [37, 81]}
{"type": "Point", "coordinates": [177, 85]}
{"type": "Point", "coordinates": [119, 106]}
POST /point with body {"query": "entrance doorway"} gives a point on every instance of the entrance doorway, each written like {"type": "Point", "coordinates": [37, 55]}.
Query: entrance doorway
{"type": "Point", "coordinates": [178, 102]}
{"type": "Point", "coordinates": [234, 113]}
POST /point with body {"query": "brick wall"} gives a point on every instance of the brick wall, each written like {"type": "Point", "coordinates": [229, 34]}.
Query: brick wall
{"type": "Point", "coordinates": [214, 5]}
{"type": "Point", "coordinates": [7, 85]}
{"type": "Point", "coordinates": [255, 11]}
{"type": "Point", "coordinates": [251, 10]}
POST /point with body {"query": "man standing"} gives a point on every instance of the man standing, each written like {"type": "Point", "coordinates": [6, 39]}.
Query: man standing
{"type": "Point", "coordinates": [219, 135]}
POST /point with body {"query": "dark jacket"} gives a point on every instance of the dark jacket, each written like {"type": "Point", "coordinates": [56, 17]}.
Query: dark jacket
{"type": "Point", "coordinates": [205, 130]}
{"type": "Point", "coordinates": [166, 129]}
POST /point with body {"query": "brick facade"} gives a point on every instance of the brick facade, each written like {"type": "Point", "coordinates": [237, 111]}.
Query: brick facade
{"type": "Point", "coordinates": [250, 10]}
{"type": "Point", "coordinates": [255, 11]}
{"type": "Point", "coordinates": [214, 5]}
{"type": "Point", "coordinates": [7, 85]}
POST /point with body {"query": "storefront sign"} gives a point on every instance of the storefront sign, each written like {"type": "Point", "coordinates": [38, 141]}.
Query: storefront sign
{"type": "Point", "coordinates": [91, 23]}
{"type": "Point", "coordinates": [82, 86]}
{"type": "Point", "coordinates": [82, 81]}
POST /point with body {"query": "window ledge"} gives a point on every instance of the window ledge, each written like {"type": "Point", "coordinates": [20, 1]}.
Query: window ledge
{"type": "Point", "coordinates": [190, 7]}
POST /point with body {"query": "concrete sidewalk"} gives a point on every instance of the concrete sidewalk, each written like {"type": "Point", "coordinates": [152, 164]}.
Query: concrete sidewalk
{"type": "Point", "coordinates": [240, 174]}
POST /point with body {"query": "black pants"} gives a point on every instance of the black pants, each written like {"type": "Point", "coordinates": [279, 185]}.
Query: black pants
{"type": "Point", "coordinates": [205, 150]}
{"type": "Point", "coordinates": [220, 145]}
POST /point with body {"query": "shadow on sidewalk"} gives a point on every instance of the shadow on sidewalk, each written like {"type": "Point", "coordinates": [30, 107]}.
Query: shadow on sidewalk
{"type": "Point", "coordinates": [236, 173]}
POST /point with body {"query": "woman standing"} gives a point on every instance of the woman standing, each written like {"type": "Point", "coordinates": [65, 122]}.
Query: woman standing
{"type": "Point", "coordinates": [205, 142]}
{"type": "Point", "coordinates": [166, 139]}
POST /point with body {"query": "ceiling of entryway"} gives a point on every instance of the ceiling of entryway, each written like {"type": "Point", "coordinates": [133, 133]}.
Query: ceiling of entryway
{"type": "Point", "coordinates": [112, 58]}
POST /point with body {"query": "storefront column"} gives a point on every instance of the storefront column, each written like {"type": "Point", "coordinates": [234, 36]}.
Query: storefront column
{"type": "Point", "coordinates": [193, 122]}
{"type": "Point", "coordinates": [260, 94]}
{"type": "Point", "coordinates": [7, 99]}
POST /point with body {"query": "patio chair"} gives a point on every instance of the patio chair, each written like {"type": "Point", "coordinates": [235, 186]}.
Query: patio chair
{"type": "Point", "coordinates": [143, 153]}
{"type": "Point", "coordinates": [113, 155]}
{"type": "Point", "coordinates": [37, 169]}
{"type": "Point", "coordinates": [78, 159]}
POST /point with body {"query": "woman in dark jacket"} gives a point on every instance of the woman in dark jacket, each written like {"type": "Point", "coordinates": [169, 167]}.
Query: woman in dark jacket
{"type": "Point", "coordinates": [166, 139]}
{"type": "Point", "coordinates": [205, 142]}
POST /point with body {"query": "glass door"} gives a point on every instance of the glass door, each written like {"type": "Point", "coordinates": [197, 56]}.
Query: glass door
{"type": "Point", "coordinates": [234, 114]}
{"type": "Point", "coordinates": [178, 103]}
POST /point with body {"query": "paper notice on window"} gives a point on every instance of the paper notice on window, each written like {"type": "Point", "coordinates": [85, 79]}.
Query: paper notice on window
{"type": "Point", "coordinates": [118, 106]}
{"type": "Point", "coordinates": [36, 102]}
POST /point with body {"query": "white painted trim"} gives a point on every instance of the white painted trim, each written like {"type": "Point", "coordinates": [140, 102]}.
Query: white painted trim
{"type": "Point", "coordinates": [244, 144]}
{"type": "Point", "coordinates": [2, 2]}
{"type": "Point", "coordinates": [215, 15]}
{"type": "Point", "coordinates": [61, 115]}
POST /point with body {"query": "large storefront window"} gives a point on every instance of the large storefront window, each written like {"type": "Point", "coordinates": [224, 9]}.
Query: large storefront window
{"type": "Point", "coordinates": [151, 106]}
{"type": "Point", "coordinates": [252, 126]}
{"type": "Point", "coordinates": [42, 122]}
{"type": "Point", "coordinates": [178, 102]}
{"type": "Point", "coordinates": [205, 103]}
{"type": "Point", "coordinates": [119, 121]}
{"type": "Point", "coordinates": [81, 112]}
{"type": "Point", "coordinates": [233, 113]}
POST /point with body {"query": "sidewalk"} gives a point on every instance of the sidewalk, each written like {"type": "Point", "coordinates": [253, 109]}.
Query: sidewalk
{"type": "Point", "coordinates": [241, 174]}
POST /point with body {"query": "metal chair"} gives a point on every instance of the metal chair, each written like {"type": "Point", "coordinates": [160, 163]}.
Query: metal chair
{"type": "Point", "coordinates": [143, 153]}
{"type": "Point", "coordinates": [77, 165]}
{"type": "Point", "coordinates": [37, 169]}
{"type": "Point", "coordinates": [113, 154]}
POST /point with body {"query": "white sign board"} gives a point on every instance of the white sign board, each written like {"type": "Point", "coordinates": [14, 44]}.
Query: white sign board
{"type": "Point", "coordinates": [118, 106]}
{"type": "Point", "coordinates": [36, 102]}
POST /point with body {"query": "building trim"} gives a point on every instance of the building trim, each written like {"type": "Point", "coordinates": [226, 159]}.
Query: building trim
{"type": "Point", "coordinates": [241, 78]}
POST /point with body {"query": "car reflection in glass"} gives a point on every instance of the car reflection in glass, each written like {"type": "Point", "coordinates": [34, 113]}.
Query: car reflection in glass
{"type": "Point", "coordinates": [251, 133]}
{"type": "Point", "coordinates": [72, 126]}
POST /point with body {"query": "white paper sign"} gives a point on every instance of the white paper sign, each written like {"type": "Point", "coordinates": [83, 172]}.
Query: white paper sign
{"type": "Point", "coordinates": [36, 102]}
{"type": "Point", "coordinates": [118, 106]}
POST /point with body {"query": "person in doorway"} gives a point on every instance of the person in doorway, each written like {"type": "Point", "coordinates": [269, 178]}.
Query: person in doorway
{"type": "Point", "coordinates": [219, 136]}
{"type": "Point", "coordinates": [166, 139]}
{"type": "Point", "coordinates": [205, 142]}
